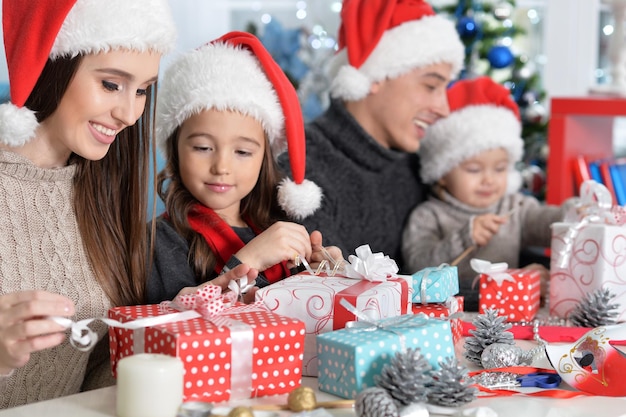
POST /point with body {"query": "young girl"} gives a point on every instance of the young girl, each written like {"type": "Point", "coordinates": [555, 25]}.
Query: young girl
{"type": "Point", "coordinates": [225, 111]}
{"type": "Point", "coordinates": [73, 181]}
{"type": "Point", "coordinates": [470, 158]}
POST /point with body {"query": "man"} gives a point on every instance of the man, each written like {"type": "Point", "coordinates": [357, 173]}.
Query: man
{"type": "Point", "coordinates": [395, 60]}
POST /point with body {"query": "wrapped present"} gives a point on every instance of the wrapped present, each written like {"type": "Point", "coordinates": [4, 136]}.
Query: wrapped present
{"type": "Point", "coordinates": [244, 351]}
{"type": "Point", "coordinates": [589, 253]}
{"type": "Point", "coordinates": [442, 310]}
{"type": "Point", "coordinates": [515, 293]}
{"type": "Point", "coordinates": [349, 358]}
{"type": "Point", "coordinates": [435, 284]}
{"type": "Point", "coordinates": [316, 300]}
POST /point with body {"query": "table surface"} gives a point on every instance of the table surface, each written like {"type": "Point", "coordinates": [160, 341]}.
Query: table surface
{"type": "Point", "coordinates": [101, 402]}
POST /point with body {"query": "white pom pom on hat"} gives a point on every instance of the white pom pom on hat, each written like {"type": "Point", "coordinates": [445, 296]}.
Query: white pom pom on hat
{"type": "Point", "coordinates": [381, 39]}
{"type": "Point", "coordinates": [36, 31]}
{"type": "Point", "coordinates": [236, 72]}
{"type": "Point", "coordinates": [483, 116]}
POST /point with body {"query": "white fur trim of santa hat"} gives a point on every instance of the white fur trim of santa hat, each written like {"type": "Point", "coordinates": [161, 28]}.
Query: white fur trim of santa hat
{"type": "Point", "coordinates": [468, 132]}
{"type": "Point", "coordinates": [94, 26]}
{"type": "Point", "coordinates": [413, 44]}
{"type": "Point", "coordinates": [90, 26]}
{"type": "Point", "coordinates": [195, 83]}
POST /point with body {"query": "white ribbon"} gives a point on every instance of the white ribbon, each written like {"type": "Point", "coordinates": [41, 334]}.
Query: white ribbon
{"type": "Point", "coordinates": [424, 283]}
{"type": "Point", "coordinates": [597, 201]}
{"type": "Point", "coordinates": [374, 267]}
{"type": "Point", "coordinates": [241, 286]}
{"type": "Point", "coordinates": [84, 339]}
{"type": "Point", "coordinates": [495, 271]}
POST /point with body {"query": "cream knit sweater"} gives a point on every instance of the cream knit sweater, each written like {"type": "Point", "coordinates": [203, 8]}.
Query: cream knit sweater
{"type": "Point", "coordinates": [41, 248]}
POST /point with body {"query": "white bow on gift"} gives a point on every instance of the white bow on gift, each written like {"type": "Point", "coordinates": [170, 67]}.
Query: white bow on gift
{"type": "Point", "coordinates": [495, 271]}
{"type": "Point", "coordinates": [597, 202]}
{"type": "Point", "coordinates": [370, 266]}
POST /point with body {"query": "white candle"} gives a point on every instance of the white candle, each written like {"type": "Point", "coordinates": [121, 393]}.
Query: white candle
{"type": "Point", "coordinates": [149, 385]}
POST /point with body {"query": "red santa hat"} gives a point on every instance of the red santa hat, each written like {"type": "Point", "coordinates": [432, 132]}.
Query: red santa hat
{"type": "Point", "coordinates": [36, 31]}
{"type": "Point", "coordinates": [236, 72]}
{"type": "Point", "coordinates": [483, 116]}
{"type": "Point", "coordinates": [381, 39]}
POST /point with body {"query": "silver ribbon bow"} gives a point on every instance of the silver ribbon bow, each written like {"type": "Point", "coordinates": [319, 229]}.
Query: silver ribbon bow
{"type": "Point", "coordinates": [597, 201]}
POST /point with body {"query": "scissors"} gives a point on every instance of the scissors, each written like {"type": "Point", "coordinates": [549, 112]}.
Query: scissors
{"type": "Point", "coordinates": [540, 380]}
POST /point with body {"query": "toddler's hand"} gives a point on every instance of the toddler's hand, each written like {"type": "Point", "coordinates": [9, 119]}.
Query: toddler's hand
{"type": "Point", "coordinates": [485, 226]}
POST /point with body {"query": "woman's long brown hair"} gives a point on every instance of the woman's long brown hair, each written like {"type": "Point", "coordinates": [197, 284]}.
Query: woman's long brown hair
{"type": "Point", "coordinates": [110, 195]}
{"type": "Point", "coordinates": [260, 207]}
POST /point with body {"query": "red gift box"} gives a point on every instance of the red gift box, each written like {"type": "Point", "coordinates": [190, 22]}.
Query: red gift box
{"type": "Point", "coordinates": [214, 351]}
{"type": "Point", "coordinates": [446, 309]}
{"type": "Point", "coordinates": [516, 297]}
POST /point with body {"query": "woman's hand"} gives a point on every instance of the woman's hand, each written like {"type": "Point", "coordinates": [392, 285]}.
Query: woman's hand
{"type": "Point", "coordinates": [25, 326]}
{"type": "Point", "coordinates": [282, 241]}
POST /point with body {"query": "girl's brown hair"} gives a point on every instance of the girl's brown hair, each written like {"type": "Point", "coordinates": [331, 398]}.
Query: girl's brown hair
{"type": "Point", "coordinates": [110, 194]}
{"type": "Point", "coordinates": [260, 207]}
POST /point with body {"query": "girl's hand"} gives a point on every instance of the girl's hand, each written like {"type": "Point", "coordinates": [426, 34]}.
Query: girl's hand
{"type": "Point", "coordinates": [485, 227]}
{"type": "Point", "coordinates": [25, 327]}
{"type": "Point", "coordinates": [282, 241]}
{"type": "Point", "coordinates": [238, 272]}
{"type": "Point", "coordinates": [318, 254]}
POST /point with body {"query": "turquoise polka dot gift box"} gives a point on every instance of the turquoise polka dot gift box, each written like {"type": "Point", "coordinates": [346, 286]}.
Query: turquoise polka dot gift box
{"type": "Point", "coordinates": [435, 284]}
{"type": "Point", "coordinates": [349, 358]}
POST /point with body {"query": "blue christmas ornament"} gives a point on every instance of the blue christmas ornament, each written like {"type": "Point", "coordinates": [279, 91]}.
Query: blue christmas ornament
{"type": "Point", "coordinates": [500, 56]}
{"type": "Point", "coordinates": [467, 27]}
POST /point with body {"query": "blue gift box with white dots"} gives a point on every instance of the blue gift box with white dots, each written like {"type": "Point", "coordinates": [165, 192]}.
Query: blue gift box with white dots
{"type": "Point", "coordinates": [349, 358]}
{"type": "Point", "coordinates": [435, 284]}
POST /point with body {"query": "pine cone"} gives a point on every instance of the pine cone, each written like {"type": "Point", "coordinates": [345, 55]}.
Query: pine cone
{"type": "Point", "coordinates": [490, 328]}
{"type": "Point", "coordinates": [451, 386]}
{"type": "Point", "coordinates": [405, 377]}
{"type": "Point", "coordinates": [375, 402]}
{"type": "Point", "coordinates": [595, 310]}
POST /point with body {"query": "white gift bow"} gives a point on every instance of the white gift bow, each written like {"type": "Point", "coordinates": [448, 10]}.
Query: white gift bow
{"type": "Point", "coordinates": [495, 271]}
{"type": "Point", "coordinates": [370, 266]}
{"type": "Point", "coordinates": [598, 202]}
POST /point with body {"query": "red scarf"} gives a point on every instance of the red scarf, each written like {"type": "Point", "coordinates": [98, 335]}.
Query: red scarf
{"type": "Point", "coordinates": [224, 242]}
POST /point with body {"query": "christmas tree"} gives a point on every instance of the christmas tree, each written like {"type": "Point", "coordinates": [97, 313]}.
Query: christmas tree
{"type": "Point", "coordinates": [487, 29]}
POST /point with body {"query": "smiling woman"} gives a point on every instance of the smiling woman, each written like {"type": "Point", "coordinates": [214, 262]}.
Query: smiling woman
{"type": "Point", "coordinates": [74, 151]}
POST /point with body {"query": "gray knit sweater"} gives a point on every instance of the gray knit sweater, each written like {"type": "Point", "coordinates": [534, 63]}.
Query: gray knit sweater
{"type": "Point", "coordinates": [368, 190]}
{"type": "Point", "coordinates": [440, 230]}
{"type": "Point", "coordinates": [41, 248]}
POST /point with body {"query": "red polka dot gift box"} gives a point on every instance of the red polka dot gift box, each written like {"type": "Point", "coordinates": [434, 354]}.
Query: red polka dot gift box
{"type": "Point", "coordinates": [515, 293]}
{"type": "Point", "coordinates": [244, 352]}
{"type": "Point", "coordinates": [442, 310]}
